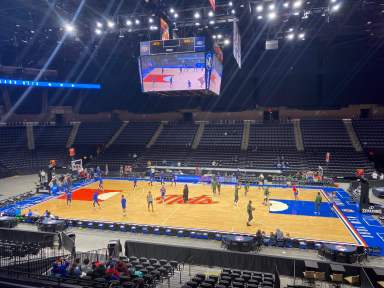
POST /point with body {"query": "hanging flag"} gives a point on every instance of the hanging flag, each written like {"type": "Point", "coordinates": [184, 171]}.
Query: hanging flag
{"type": "Point", "coordinates": [213, 4]}
{"type": "Point", "coordinates": [237, 43]}
{"type": "Point", "coordinates": [164, 29]}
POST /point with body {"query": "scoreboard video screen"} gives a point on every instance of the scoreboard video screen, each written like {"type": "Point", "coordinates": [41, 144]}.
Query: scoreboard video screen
{"type": "Point", "coordinates": [173, 72]}
{"type": "Point", "coordinates": [179, 65]}
{"type": "Point", "coordinates": [216, 75]}
{"type": "Point", "coordinates": [182, 45]}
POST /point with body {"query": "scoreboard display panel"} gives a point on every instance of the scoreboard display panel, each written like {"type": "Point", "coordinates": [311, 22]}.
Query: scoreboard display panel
{"type": "Point", "coordinates": [216, 75]}
{"type": "Point", "coordinates": [182, 45]}
{"type": "Point", "coordinates": [173, 72]}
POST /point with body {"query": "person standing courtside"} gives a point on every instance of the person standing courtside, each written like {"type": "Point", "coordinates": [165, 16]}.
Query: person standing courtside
{"type": "Point", "coordinates": [250, 210]}
{"type": "Point", "coordinates": [213, 184]}
{"type": "Point", "coordinates": [236, 200]}
{"type": "Point", "coordinates": [150, 200]}
{"type": "Point", "coordinates": [185, 193]}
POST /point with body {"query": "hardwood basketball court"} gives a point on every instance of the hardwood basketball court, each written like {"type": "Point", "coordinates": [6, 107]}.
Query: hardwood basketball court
{"type": "Point", "coordinates": [203, 211]}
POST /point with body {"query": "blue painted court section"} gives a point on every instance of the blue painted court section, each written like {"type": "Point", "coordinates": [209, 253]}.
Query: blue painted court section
{"type": "Point", "coordinates": [305, 208]}
{"type": "Point", "coordinates": [365, 225]}
{"type": "Point", "coordinates": [16, 208]}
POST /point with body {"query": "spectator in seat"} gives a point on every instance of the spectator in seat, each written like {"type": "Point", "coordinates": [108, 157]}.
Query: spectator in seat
{"type": "Point", "coordinates": [279, 234]}
{"type": "Point", "coordinates": [86, 267]}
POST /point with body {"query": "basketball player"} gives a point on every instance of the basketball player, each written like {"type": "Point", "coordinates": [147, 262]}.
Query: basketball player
{"type": "Point", "coordinates": [162, 194]}
{"type": "Point", "coordinates": [96, 199]}
{"type": "Point", "coordinates": [236, 201]}
{"type": "Point", "coordinates": [213, 184]}
{"type": "Point", "coordinates": [266, 196]}
{"type": "Point", "coordinates": [134, 182]}
{"type": "Point", "coordinates": [150, 200]}
{"type": "Point", "coordinates": [69, 196]}
{"type": "Point", "coordinates": [246, 188]}
{"type": "Point", "coordinates": [218, 187]}
{"type": "Point", "coordinates": [174, 180]}
{"type": "Point", "coordinates": [295, 192]}
{"type": "Point", "coordinates": [101, 185]}
{"type": "Point", "coordinates": [250, 210]}
{"type": "Point", "coordinates": [318, 200]}
{"type": "Point", "coordinates": [123, 204]}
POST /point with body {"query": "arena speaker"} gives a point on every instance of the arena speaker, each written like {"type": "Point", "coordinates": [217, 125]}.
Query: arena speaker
{"type": "Point", "coordinates": [364, 194]}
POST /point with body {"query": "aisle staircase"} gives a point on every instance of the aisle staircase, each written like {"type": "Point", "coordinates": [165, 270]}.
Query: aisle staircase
{"type": "Point", "coordinates": [298, 136]}
{"type": "Point", "coordinates": [117, 134]}
{"type": "Point", "coordinates": [352, 135]}
{"type": "Point", "coordinates": [198, 135]}
{"type": "Point", "coordinates": [30, 136]}
{"type": "Point", "coordinates": [245, 139]}
{"type": "Point", "coordinates": [73, 134]}
{"type": "Point", "coordinates": [156, 134]}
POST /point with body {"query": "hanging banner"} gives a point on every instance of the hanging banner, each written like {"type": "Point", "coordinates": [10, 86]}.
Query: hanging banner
{"type": "Point", "coordinates": [164, 29]}
{"type": "Point", "coordinates": [237, 43]}
{"type": "Point", "coordinates": [213, 4]}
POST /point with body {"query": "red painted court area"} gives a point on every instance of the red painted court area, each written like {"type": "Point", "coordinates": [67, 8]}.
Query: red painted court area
{"type": "Point", "coordinates": [86, 194]}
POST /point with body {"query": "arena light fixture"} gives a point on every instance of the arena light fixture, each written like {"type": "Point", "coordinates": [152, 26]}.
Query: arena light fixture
{"type": "Point", "coordinates": [336, 7]}
{"type": "Point", "coordinates": [99, 25]}
{"type": "Point", "coordinates": [98, 31]}
{"type": "Point", "coordinates": [271, 7]}
{"type": "Point", "coordinates": [227, 42]}
{"type": "Point", "coordinates": [110, 24]}
{"type": "Point", "coordinates": [291, 36]}
{"type": "Point", "coordinates": [219, 36]}
{"type": "Point", "coordinates": [286, 4]}
{"type": "Point", "coordinates": [233, 11]}
{"type": "Point", "coordinates": [197, 24]}
{"type": "Point", "coordinates": [171, 10]}
{"type": "Point", "coordinates": [129, 23]}
{"type": "Point", "coordinates": [176, 15]}
{"type": "Point", "coordinates": [259, 8]}
{"type": "Point", "coordinates": [297, 4]}
{"type": "Point", "coordinates": [230, 3]}
{"type": "Point", "coordinates": [214, 36]}
{"type": "Point", "coordinates": [272, 15]}
{"type": "Point", "coordinates": [196, 15]}
{"type": "Point", "coordinates": [211, 14]}
{"type": "Point", "coordinates": [212, 22]}
{"type": "Point", "coordinates": [301, 36]}
{"type": "Point", "coordinates": [150, 20]}
{"type": "Point", "coordinates": [69, 28]}
{"type": "Point", "coordinates": [137, 21]}
{"type": "Point", "coordinates": [260, 17]}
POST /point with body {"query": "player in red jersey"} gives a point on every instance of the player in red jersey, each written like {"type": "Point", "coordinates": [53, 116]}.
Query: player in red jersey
{"type": "Point", "coordinates": [295, 192]}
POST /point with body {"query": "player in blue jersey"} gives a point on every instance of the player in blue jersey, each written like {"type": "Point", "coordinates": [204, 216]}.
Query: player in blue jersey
{"type": "Point", "coordinates": [123, 204]}
{"type": "Point", "coordinates": [96, 198]}
{"type": "Point", "coordinates": [69, 196]}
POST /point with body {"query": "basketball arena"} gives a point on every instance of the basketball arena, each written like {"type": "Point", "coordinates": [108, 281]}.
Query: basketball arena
{"type": "Point", "coordinates": [189, 144]}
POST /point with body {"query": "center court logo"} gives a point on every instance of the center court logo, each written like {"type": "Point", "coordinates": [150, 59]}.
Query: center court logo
{"type": "Point", "coordinates": [177, 199]}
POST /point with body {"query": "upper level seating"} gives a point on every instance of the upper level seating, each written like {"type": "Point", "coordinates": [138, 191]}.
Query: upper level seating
{"type": "Point", "coordinates": [177, 134]}
{"type": "Point", "coordinates": [137, 133]}
{"type": "Point", "coordinates": [13, 136]}
{"type": "Point", "coordinates": [51, 135]}
{"type": "Point", "coordinates": [96, 133]}
{"type": "Point", "coordinates": [370, 133]}
{"type": "Point", "coordinates": [272, 135]}
{"type": "Point", "coordinates": [324, 133]}
{"type": "Point", "coordinates": [222, 135]}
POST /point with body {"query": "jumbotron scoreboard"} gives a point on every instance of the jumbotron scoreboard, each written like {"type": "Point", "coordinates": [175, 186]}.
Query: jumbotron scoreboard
{"type": "Point", "coordinates": [170, 66]}
{"type": "Point", "coordinates": [182, 45]}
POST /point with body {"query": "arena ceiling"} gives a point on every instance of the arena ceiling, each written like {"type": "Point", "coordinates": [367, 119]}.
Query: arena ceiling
{"type": "Point", "coordinates": [327, 56]}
